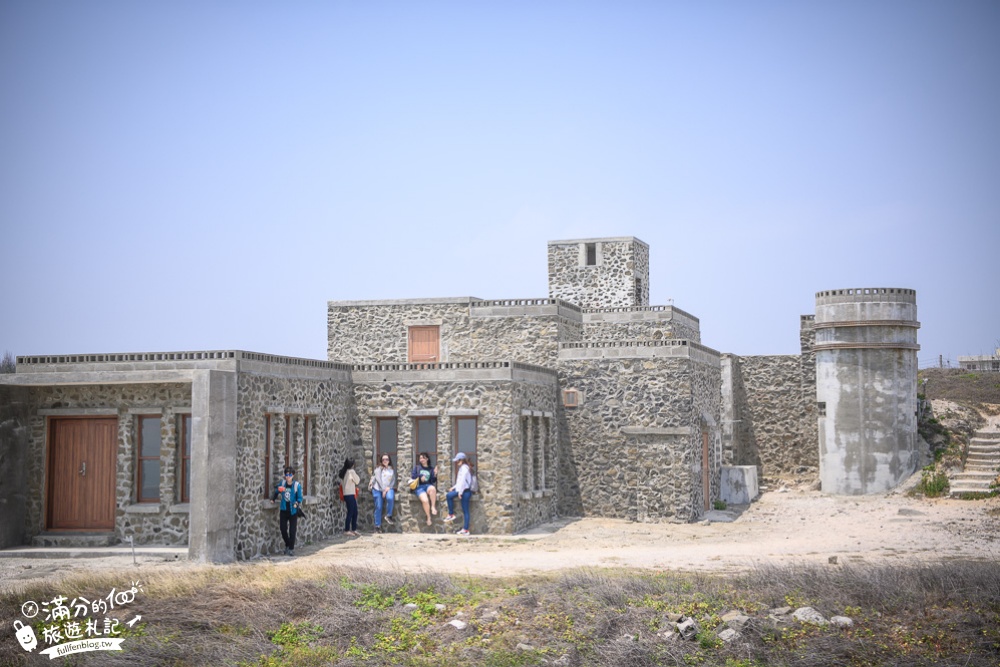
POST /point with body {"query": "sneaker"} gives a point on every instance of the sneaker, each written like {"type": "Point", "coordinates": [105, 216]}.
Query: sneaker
{"type": "Point", "coordinates": [388, 519]}
{"type": "Point", "coordinates": [291, 552]}
{"type": "Point", "coordinates": [287, 550]}
{"type": "Point", "coordinates": [449, 518]}
{"type": "Point", "coordinates": [462, 532]}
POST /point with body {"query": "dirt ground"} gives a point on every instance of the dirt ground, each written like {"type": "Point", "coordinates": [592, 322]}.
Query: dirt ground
{"type": "Point", "coordinates": [791, 526]}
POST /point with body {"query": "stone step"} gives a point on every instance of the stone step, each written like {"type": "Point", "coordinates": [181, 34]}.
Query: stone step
{"type": "Point", "coordinates": [969, 488]}
{"type": "Point", "coordinates": [986, 445]}
{"type": "Point", "coordinates": [967, 492]}
{"type": "Point", "coordinates": [973, 475]}
{"type": "Point", "coordinates": [982, 469]}
{"type": "Point", "coordinates": [71, 539]}
{"type": "Point", "coordinates": [982, 460]}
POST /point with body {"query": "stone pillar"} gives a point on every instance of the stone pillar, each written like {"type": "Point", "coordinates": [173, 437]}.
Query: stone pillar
{"type": "Point", "coordinates": [213, 467]}
{"type": "Point", "coordinates": [14, 443]}
{"type": "Point", "coordinates": [866, 388]}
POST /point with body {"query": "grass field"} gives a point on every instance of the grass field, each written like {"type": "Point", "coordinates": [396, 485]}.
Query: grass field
{"type": "Point", "coordinates": [268, 616]}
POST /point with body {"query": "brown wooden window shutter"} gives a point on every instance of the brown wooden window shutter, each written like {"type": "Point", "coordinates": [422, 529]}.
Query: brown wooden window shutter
{"type": "Point", "coordinates": [425, 344]}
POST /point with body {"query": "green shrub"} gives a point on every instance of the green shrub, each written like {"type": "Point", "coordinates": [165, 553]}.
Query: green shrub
{"type": "Point", "coordinates": [933, 484]}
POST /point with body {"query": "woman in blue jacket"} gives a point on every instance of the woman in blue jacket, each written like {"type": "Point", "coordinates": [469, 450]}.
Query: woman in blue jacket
{"type": "Point", "coordinates": [290, 493]}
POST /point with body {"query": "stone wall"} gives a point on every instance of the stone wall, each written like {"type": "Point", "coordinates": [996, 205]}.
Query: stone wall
{"type": "Point", "coordinates": [526, 330]}
{"type": "Point", "coordinates": [610, 283]}
{"type": "Point", "coordinates": [165, 522]}
{"type": "Point", "coordinates": [641, 323]}
{"type": "Point", "coordinates": [497, 398]}
{"type": "Point", "coordinates": [332, 420]}
{"type": "Point", "coordinates": [778, 411]}
{"type": "Point", "coordinates": [739, 439]}
{"type": "Point", "coordinates": [14, 447]}
{"type": "Point", "coordinates": [633, 447]}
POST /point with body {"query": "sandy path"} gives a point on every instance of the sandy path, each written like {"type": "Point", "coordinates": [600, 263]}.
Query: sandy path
{"type": "Point", "coordinates": [780, 528]}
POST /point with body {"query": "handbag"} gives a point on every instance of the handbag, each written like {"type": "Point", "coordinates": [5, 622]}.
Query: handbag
{"type": "Point", "coordinates": [413, 483]}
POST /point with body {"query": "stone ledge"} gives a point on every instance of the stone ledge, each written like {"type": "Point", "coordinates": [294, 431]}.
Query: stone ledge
{"type": "Point", "coordinates": [144, 508]}
{"type": "Point", "coordinates": [81, 412]}
{"type": "Point", "coordinates": [645, 430]}
{"type": "Point", "coordinates": [180, 508]}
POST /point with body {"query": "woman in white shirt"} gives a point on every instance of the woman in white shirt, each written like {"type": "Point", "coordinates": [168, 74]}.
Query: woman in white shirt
{"type": "Point", "coordinates": [383, 488]}
{"type": "Point", "coordinates": [349, 481]}
{"type": "Point", "coordinates": [462, 490]}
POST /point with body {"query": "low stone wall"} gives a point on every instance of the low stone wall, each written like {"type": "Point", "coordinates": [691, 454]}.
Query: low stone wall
{"type": "Point", "coordinates": [640, 323]}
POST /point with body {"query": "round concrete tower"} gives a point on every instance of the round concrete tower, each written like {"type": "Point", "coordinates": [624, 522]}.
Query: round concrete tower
{"type": "Point", "coordinates": [866, 388]}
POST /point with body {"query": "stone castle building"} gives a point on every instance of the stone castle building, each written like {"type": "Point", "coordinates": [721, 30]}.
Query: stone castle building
{"type": "Point", "coordinates": [590, 402]}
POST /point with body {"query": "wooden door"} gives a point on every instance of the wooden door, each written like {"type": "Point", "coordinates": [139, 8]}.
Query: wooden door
{"type": "Point", "coordinates": [425, 344]}
{"type": "Point", "coordinates": [81, 484]}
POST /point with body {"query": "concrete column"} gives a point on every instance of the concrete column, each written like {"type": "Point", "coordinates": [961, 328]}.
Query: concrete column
{"type": "Point", "coordinates": [866, 388]}
{"type": "Point", "coordinates": [213, 467]}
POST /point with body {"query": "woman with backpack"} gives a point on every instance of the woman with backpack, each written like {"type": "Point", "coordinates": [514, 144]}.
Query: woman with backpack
{"type": "Point", "coordinates": [461, 490]}
{"type": "Point", "coordinates": [349, 481]}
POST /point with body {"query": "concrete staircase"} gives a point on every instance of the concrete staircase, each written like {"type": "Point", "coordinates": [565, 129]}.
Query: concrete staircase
{"type": "Point", "coordinates": [982, 466]}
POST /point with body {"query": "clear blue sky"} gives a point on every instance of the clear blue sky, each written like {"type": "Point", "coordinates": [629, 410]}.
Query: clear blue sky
{"type": "Point", "coordinates": [207, 175]}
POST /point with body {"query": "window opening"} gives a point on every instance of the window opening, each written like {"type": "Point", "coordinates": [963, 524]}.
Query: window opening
{"type": "Point", "coordinates": [148, 482]}
{"type": "Point", "coordinates": [185, 458]}
{"type": "Point", "coordinates": [386, 438]}
{"type": "Point", "coordinates": [426, 438]}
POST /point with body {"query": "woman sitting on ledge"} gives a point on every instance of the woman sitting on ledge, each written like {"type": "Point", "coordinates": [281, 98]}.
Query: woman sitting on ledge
{"type": "Point", "coordinates": [426, 488]}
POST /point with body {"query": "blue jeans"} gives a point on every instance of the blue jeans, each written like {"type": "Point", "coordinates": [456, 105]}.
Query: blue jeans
{"type": "Point", "coordinates": [390, 500]}
{"type": "Point", "coordinates": [351, 518]}
{"type": "Point", "coordinates": [466, 497]}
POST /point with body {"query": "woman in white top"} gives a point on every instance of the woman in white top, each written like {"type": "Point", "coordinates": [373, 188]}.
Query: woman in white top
{"type": "Point", "coordinates": [349, 481]}
{"type": "Point", "coordinates": [462, 490]}
{"type": "Point", "coordinates": [383, 488]}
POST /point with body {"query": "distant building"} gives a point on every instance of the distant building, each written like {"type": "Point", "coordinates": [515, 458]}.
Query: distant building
{"type": "Point", "coordinates": [982, 362]}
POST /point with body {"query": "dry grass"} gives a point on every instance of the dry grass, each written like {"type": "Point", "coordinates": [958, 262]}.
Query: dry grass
{"type": "Point", "coordinates": [946, 614]}
{"type": "Point", "coordinates": [965, 387]}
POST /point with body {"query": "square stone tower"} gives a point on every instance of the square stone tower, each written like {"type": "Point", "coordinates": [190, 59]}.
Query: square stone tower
{"type": "Point", "coordinates": [600, 273]}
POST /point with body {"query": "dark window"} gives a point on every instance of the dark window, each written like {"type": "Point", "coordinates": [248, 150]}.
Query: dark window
{"type": "Point", "coordinates": [185, 458]}
{"type": "Point", "coordinates": [821, 408]}
{"type": "Point", "coordinates": [267, 455]}
{"type": "Point", "coordinates": [288, 440]}
{"type": "Point", "coordinates": [148, 481]}
{"type": "Point", "coordinates": [526, 436]}
{"type": "Point", "coordinates": [465, 436]}
{"type": "Point", "coordinates": [386, 438]}
{"type": "Point", "coordinates": [307, 423]}
{"type": "Point", "coordinates": [591, 254]}
{"type": "Point", "coordinates": [426, 429]}
{"type": "Point", "coordinates": [571, 398]}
